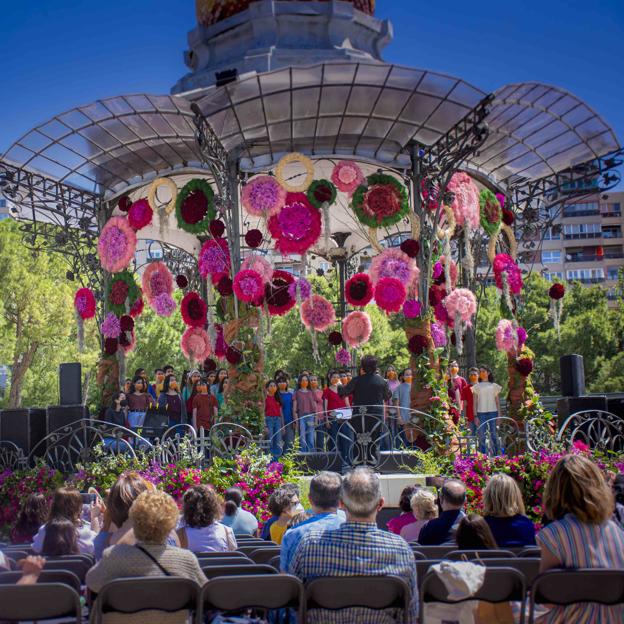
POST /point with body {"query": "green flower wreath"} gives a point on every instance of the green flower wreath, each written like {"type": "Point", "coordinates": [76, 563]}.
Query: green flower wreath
{"type": "Point", "coordinates": [321, 188]}
{"type": "Point", "coordinates": [381, 212]}
{"type": "Point", "coordinates": [491, 213]}
{"type": "Point", "coordinates": [195, 185]}
{"type": "Point", "coordinates": [133, 292]}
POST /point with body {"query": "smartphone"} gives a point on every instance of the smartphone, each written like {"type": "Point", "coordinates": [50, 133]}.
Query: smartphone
{"type": "Point", "coordinates": [88, 498]}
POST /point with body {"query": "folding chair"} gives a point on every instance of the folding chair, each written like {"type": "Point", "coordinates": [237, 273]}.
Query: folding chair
{"type": "Point", "coordinates": [422, 567]}
{"type": "Point", "coordinates": [528, 567]}
{"type": "Point", "coordinates": [567, 587]}
{"type": "Point", "coordinates": [532, 551]}
{"type": "Point", "coordinates": [275, 562]}
{"type": "Point", "coordinates": [245, 537]}
{"type": "Point", "coordinates": [133, 595]}
{"type": "Point", "coordinates": [458, 555]}
{"type": "Point", "coordinates": [62, 577]}
{"type": "Point", "coordinates": [223, 561]}
{"type": "Point", "coordinates": [433, 552]}
{"type": "Point", "coordinates": [39, 602]}
{"type": "Point", "coordinates": [213, 571]}
{"type": "Point", "coordinates": [270, 591]}
{"type": "Point", "coordinates": [264, 555]}
{"type": "Point", "coordinates": [372, 592]}
{"type": "Point", "coordinates": [232, 554]}
{"type": "Point", "coordinates": [79, 567]}
{"type": "Point", "coordinates": [499, 585]}
{"type": "Point", "coordinates": [418, 555]}
{"type": "Point", "coordinates": [16, 553]}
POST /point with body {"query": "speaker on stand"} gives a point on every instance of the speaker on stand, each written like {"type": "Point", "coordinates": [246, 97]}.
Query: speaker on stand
{"type": "Point", "coordinates": [572, 375]}
{"type": "Point", "coordinates": [70, 383]}
{"type": "Point", "coordinates": [23, 427]}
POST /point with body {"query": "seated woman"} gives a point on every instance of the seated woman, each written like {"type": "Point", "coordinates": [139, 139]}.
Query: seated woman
{"type": "Point", "coordinates": [283, 504]}
{"type": "Point", "coordinates": [424, 508]}
{"type": "Point", "coordinates": [154, 515]}
{"type": "Point", "coordinates": [503, 509]}
{"type": "Point", "coordinates": [473, 533]}
{"type": "Point", "coordinates": [60, 538]}
{"type": "Point", "coordinates": [201, 509]}
{"type": "Point", "coordinates": [238, 519]}
{"type": "Point", "coordinates": [580, 503]}
{"type": "Point", "coordinates": [67, 504]}
{"type": "Point", "coordinates": [406, 517]}
{"type": "Point", "coordinates": [32, 514]}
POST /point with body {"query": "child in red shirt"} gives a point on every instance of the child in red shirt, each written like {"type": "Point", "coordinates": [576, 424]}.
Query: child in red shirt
{"type": "Point", "coordinates": [273, 418]}
{"type": "Point", "coordinates": [468, 399]}
{"type": "Point", "coordinates": [205, 406]}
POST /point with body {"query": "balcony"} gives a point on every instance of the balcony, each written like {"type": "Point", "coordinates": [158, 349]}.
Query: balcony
{"type": "Point", "coordinates": [567, 214]}
{"type": "Point", "coordinates": [587, 280]}
{"type": "Point", "coordinates": [582, 236]}
{"type": "Point", "coordinates": [611, 213]}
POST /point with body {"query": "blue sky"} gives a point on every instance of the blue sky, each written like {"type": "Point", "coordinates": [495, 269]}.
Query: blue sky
{"type": "Point", "coordinates": [56, 55]}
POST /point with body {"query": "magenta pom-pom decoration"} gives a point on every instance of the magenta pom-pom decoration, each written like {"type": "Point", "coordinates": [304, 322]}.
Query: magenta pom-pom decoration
{"type": "Point", "coordinates": [504, 263]}
{"type": "Point", "coordinates": [214, 259]}
{"type": "Point", "coordinates": [441, 315]}
{"type": "Point", "coordinates": [297, 226]}
{"type": "Point", "coordinates": [253, 238]}
{"type": "Point", "coordinates": [181, 281]}
{"type": "Point", "coordinates": [258, 264]}
{"type": "Point", "coordinates": [137, 308]}
{"type": "Point", "coordinates": [436, 295]}
{"type": "Point", "coordinates": [417, 344]}
{"type": "Point", "coordinates": [465, 206]}
{"type": "Point", "coordinates": [249, 286]}
{"type": "Point", "coordinates": [193, 309]}
{"type": "Point", "coordinates": [508, 217]}
{"type": "Point", "coordinates": [84, 302]}
{"type": "Point", "coordinates": [317, 313]}
{"type": "Point", "coordinates": [225, 286]}
{"type": "Point", "coordinates": [501, 199]}
{"type": "Point", "coordinates": [220, 348]}
{"type": "Point", "coordinates": [233, 356]}
{"type": "Point", "coordinates": [276, 293]}
{"type": "Point", "coordinates": [343, 357]}
{"type": "Point", "coordinates": [124, 203]}
{"type": "Point", "coordinates": [126, 322]}
{"type": "Point", "coordinates": [394, 263]}
{"type": "Point", "coordinates": [438, 334]}
{"type": "Point", "coordinates": [303, 287]}
{"type": "Point", "coordinates": [412, 309]}
{"type": "Point", "coordinates": [389, 294]}
{"type": "Point", "coordinates": [164, 305]}
{"type": "Point", "coordinates": [522, 337]}
{"type": "Point", "coordinates": [263, 196]}
{"type": "Point", "coordinates": [461, 303]}
{"type": "Point", "coordinates": [217, 228]}
{"type": "Point", "coordinates": [556, 291]}
{"type": "Point", "coordinates": [524, 366]}
{"type": "Point", "coordinates": [439, 272]}
{"type": "Point", "coordinates": [347, 176]}
{"type": "Point", "coordinates": [357, 329]}
{"type": "Point", "coordinates": [110, 346]}
{"type": "Point", "coordinates": [157, 280]}
{"type": "Point", "coordinates": [359, 290]}
{"type": "Point", "coordinates": [140, 214]}
{"type": "Point", "coordinates": [506, 336]}
{"type": "Point", "coordinates": [111, 328]}
{"type": "Point", "coordinates": [195, 344]}
{"type": "Point", "coordinates": [334, 338]}
{"type": "Point", "coordinates": [116, 245]}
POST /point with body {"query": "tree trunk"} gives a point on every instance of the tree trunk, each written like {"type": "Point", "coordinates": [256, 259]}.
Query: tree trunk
{"type": "Point", "coordinates": [21, 364]}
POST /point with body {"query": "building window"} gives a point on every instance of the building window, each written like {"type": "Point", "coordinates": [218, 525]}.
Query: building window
{"type": "Point", "coordinates": [581, 210]}
{"type": "Point", "coordinates": [611, 231]}
{"type": "Point", "coordinates": [551, 256]}
{"type": "Point", "coordinates": [553, 233]}
{"type": "Point", "coordinates": [582, 230]}
{"type": "Point", "coordinates": [612, 209]}
{"type": "Point", "coordinates": [586, 276]}
{"type": "Point", "coordinates": [613, 273]}
{"type": "Point", "coordinates": [551, 276]}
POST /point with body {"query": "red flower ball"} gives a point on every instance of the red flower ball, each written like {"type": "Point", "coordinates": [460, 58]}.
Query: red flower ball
{"type": "Point", "coordinates": [417, 344]}
{"type": "Point", "coordinates": [194, 207]}
{"type": "Point", "coordinates": [335, 338]}
{"type": "Point", "coordinates": [253, 238]}
{"type": "Point", "coordinates": [126, 338]}
{"type": "Point", "coordinates": [137, 308]}
{"type": "Point", "coordinates": [110, 346]}
{"type": "Point", "coordinates": [233, 356]}
{"type": "Point", "coordinates": [508, 216]}
{"type": "Point", "coordinates": [194, 310]}
{"type": "Point", "coordinates": [124, 203]}
{"type": "Point", "coordinates": [225, 287]}
{"type": "Point", "coordinates": [127, 323]}
{"type": "Point", "coordinates": [119, 292]}
{"type": "Point", "coordinates": [556, 291]}
{"type": "Point", "coordinates": [410, 247]}
{"type": "Point", "coordinates": [217, 228]}
{"type": "Point", "coordinates": [436, 294]}
{"type": "Point", "coordinates": [276, 293]}
{"type": "Point", "coordinates": [181, 281]}
{"type": "Point", "coordinates": [140, 214]}
{"type": "Point", "coordinates": [209, 365]}
{"type": "Point", "coordinates": [359, 290]}
{"type": "Point", "coordinates": [524, 366]}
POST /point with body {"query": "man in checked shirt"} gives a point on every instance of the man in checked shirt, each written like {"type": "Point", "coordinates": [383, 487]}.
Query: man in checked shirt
{"type": "Point", "coordinates": [357, 548]}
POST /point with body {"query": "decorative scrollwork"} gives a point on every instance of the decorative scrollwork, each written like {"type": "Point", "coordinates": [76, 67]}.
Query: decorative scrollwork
{"type": "Point", "coordinates": [228, 439]}
{"type": "Point", "coordinates": [498, 436]}
{"type": "Point", "coordinates": [599, 430]}
{"type": "Point", "coordinates": [11, 456]}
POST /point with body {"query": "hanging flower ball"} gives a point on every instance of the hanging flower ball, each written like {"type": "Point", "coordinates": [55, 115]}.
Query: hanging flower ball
{"type": "Point", "coordinates": [524, 366]}
{"type": "Point", "coordinates": [334, 338]}
{"type": "Point", "coordinates": [126, 322]}
{"type": "Point", "coordinates": [382, 202]}
{"type": "Point", "coordinates": [122, 292]}
{"type": "Point", "coordinates": [164, 305]}
{"type": "Point", "coordinates": [84, 302]}
{"type": "Point", "coordinates": [110, 346]}
{"type": "Point", "coordinates": [297, 226]}
{"type": "Point", "coordinates": [276, 293]}
{"type": "Point", "coordinates": [491, 212]}
{"type": "Point", "coordinates": [506, 336]}
{"type": "Point", "coordinates": [412, 309]}
{"type": "Point", "coordinates": [417, 344]}
{"type": "Point", "coordinates": [253, 238]}
{"type": "Point", "coordinates": [209, 365]}
{"type": "Point", "coordinates": [111, 327]}
{"type": "Point", "coordinates": [259, 265]}
{"type": "Point", "coordinates": [157, 280]}
{"type": "Point", "coordinates": [439, 272]}
{"type": "Point", "coordinates": [461, 303]}
{"type": "Point", "coordinates": [263, 196]}
{"type": "Point", "coordinates": [556, 291]}
{"type": "Point", "coordinates": [193, 309]}
{"type": "Point", "coordinates": [216, 228]}
{"type": "Point", "coordinates": [441, 315]}
{"type": "Point", "coordinates": [359, 290]}
{"type": "Point", "coordinates": [124, 203]}
{"type": "Point", "coordinates": [225, 286]}
{"type": "Point", "coordinates": [410, 247]}
{"type": "Point", "coordinates": [127, 341]}
{"type": "Point", "coordinates": [343, 357]}
{"type": "Point", "coordinates": [436, 295]}
{"type": "Point", "coordinates": [321, 192]}
{"type": "Point", "coordinates": [195, 344]}
{"type": "Point", "coordinates": [394, 263]}
{"type": "Point", "coordinates": [438, 334]}
{"type": "Point", "coordinates": [357, 329]}
{"type": "Point", "coordinates": [347, 176]}
{"type": "Point", "coordinates": [140, 214]}
{"type": "Point", "coordinates": [389, 294]}
{"type": "Point", "coordinates": [317, 313]}
{"type": "Point", "coordinates": [116, 245]}
{"type": "Point", "coordinates": [214, 259]}
{"type": "Point", "coordinates": [522, 337]}
{"type": "Point", "coordinates": [249, 286]}
{"type": "Point", "coordinates": [504, 263]}
{"type": "Point", "coordinates": [181, 281]}
{"type": "Point", "coordinates": [301, 287]}
{"type": "Point", "coordinates": [508, 217]}
{"type": "Point", "coordinates": [233, 356]}
{"type": "Point", "coordinates": [465, 204]}
{"type": "Point", "coordinates": [137, 308]}
{"type": "Point", "coordinates": [195, 206]}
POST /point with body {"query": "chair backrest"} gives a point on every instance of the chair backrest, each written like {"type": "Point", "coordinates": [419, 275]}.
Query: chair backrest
{"type": "Point", "coordinates": [41, 601]}
{"type": "Point", "coordinates": [245, 537]}
{"type": "Point", "coordinates": [223, 561]}
{"type": "Point", "coordinates": [216, 555]}
{"type": "Point", "coordinates": [434, 552]}
{"type": "Point", "coordinates": [213, 571]}
{"type": "Point", "coordinates": [46, 576]}
{"type": "Point", "coordinates": [532, 551]}
{"type": "Point", "coordinates": [371, 592]}
{"type": "Point", "coordinates": [422, 567]}
{"type": "Point", "coordinates": [247, 548]}
{"type": "Point", "coordinates": [79, 567]}
{"type": "Point", "coordinates": [132, 595]}
{"type": "Point", "coordinates": [275, 562]}
{"type": "Point", "coordinates": [528, 567]}
{"type": "Point", "coordinates": [267, 591]}
{"type": "Point", "coordinates": [458, 555]}
{"type": "Point", "coordinates": [16, 553]}
{"type": "Point", "coordinates": [566, 587]}
{"type": "Point", "coordinates": [264, 555]}
{"type": "Point", "coordinates": [418, 555]}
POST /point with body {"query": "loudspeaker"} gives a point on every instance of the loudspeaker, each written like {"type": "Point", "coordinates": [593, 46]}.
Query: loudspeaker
{"type": "Point", "coordinates": [70, 383]}
{"type": "Point", "coordinates": [24, 427]}
{"type": "Point", "coordinates": [572, 375]}
{"type": "Point", "coordinates": [58, 416]}
{"type": "Point", "coordinates": [615, 405]}
{"type": "Point", "coordinates": [567, 406]}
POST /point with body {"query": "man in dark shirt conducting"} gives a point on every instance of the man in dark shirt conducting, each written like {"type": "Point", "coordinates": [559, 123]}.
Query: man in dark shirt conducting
{"type": "Point", "coordinates": [369, 388]}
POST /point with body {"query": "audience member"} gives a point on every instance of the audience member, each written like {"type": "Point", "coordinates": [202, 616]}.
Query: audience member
{"type": "Point", "coordinates": [424, 508]}
{"type": "Point", "coordinates": [202, 531]}
{"type": "Point", "coordinates": [32, 514]}
{"type": "Point", "coordinates": [324, 499]}
{"type": "Point", "coordinates": [60, 538]}
{"type": "Point", "coordinates": [503, 509]}
{"type": "Point", "coordinates": [357, 548]}
{"type": "Point", "coordinates": [474, 533]}
{"type": "Point", "coordinates": [116, 412]}
{"type": "Point", "coordinates": [67, 504]}
{"type": "Point", "coordinates": [283, 504]}
{"type": "Point", "coordinates": [238, 519]}
{"type": "Point", "coordinates": [581, 534]}
{"type": "Point", "coordinates": [406, 517]}
{"type": "Point", "coordinates": [618, 492]}
{"type": "Point", "coordinates": [442, 530]}
{"type": "Point", "coordinates": [265, 534]}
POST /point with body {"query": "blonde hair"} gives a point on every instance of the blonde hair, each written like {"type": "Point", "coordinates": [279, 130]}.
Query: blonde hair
{"type": "Point", "coordinates": [502, 497]}
{"type": "Point", "coordinates": [154, 514]}
{"type": "Point", "coordinates": [424, 505]}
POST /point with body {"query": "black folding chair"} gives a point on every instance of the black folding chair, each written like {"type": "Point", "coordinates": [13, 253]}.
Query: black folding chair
{"type": "Point", "coordinates": [232, 554]}
{"type": "Point", "coordinates": [528, 567]}
{"type": "Point", "coordinates": [532, 551]}
{"type": "Point", "coordinates": [42, 601]}
{"type": "Point", "coordinates": [213, 571]}
{"type": "Point", "coordinates": [267, 591]}
{"type": "Point", "coordinates": [223, 561]}
{"type": "Point", "coordinates": [567, 587]}
{"type": "Point", "coordinates": [418, 555]}
{"type": "Point", "coordinates": [499, 585]}
{"type": "Point", "coordinates": [459, 555]}
{"type": "Point", "coordinates": [17, 553]}
{"type": "Point", "coordinates": [264, 555]}
{"type": "Point", "coordinates": [378, 593]}
{"type": "Point", "coordinates": [422, 567]}
{"type": "Point", "coordinates": [46, 576]}
{"type": "Point", "coordinates": [79, 567]}
{"type": "Point", "coordinates": [133, 595]}
{"type": "Point", "coordinates": [433, 552]}
{"type": "Point", "coordinates": [275, 562]}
